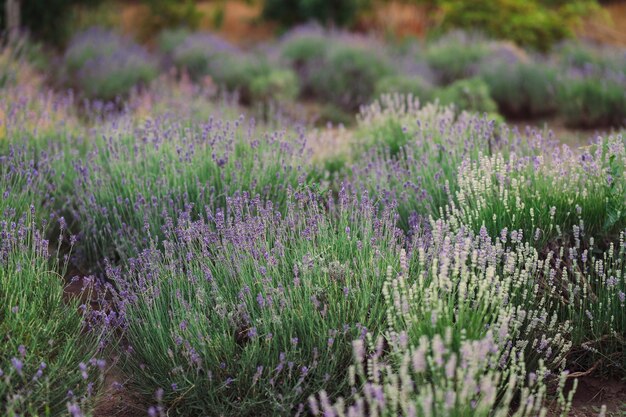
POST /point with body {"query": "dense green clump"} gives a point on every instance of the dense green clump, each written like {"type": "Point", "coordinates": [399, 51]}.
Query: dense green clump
{"type": "Point", "coordinates": [467, 95]}
{"type": "Point", "coordinates": [456, 56]}
{"type": "Point", "coordinates": [349, 77]}
{"type": "Point", "coordinates": [254, 77]}
{"type": "Point", "coordinates": [400, 84]}
{"type": "Point", "coordinates": [592, 101]}
{"type": "Point", "coordinates": [524, 89]}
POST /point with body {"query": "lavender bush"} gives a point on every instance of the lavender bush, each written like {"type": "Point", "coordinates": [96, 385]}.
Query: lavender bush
{"type": "Point", "coordinates": [410, 155]}
{"type": "Point", "coordinates": [130, 187]}
{"type": "Point", "coordinates": [545, 197]}
{"type": "Point", "coordinates": [104, 65]}
{"type": "Point", "coordinates": [437, 379]}
{"type": "Point", "coordinates": [401, 84]}
{"type": "Point", "coordinates": [49, 363]}
{"type": "Point", "coordinates": [590, 100]}
{"type": "Point", "coordinates": [25, 180]}
{"type": "Point", "coordinates": [254, 77]}
{"type": "Point", "coordinates": [522, 89]}
{"type": "Point", "coordinates": [456, 56]}
{"type": "Point", "coordinates": [251, 310]}
{"type": "Point", "coordinates": [197, 53]}
{"type": "Point", "coordinates": [335, 67]}
{"type": "Point", "coordinates": [470, 95]}
{"type": "Point", "coordinates": [304, 50]}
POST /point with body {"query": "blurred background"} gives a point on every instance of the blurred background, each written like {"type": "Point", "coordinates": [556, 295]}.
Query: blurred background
{"type": "Point", "coordinates": [526, 61]}
{"type": "Point", "coordinates": [536, 23]}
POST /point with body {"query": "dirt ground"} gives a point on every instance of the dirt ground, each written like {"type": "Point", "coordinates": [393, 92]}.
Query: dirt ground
{"type": "Point", "coordinates": [593, 392]}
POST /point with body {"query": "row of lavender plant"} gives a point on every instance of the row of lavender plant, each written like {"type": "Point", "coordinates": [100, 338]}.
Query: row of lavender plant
{"type": "Point", "coordinates": [581, 83]}
{"type": "Point", "coordinates": [242, 282]}
{"type": "Point", "coordinates": [251, 304]}
{"type": "Point", "coordinates": [532, 293]}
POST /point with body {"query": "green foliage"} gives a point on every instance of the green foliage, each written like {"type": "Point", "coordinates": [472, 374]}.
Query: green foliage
{"type": "Point", "coordinates": [17, 63]}
{"type": "Point", "coordinates": [534, 23]}
{"type": "Point", "coordinates": [304, 49]}
{"type": "Point", "coordinates": [467, 95]}
{"type": "Point", "coordinates": [415, 86]}
{"type": "Point", "coordinates": [583, 56]}
{"type": "Point", "coordinates": [47, 20]}
{"type": "Point", "coordinates": [456, 56]}
{"type": "Point", "coordinates": [411, 154]}
{"type": "Point", "coordinates": [329, 113]}
{"type": "Point", "coordinates": [337, 71]}
{"type": "Point", "coordinates": [170, 14]}
{"type": "Point", "coordinates": [522, 89]}
{"type": "Point", "coordinates": [254, 78]}
{"type": "Point", "coordinates": [348, 76]}
{"type": "Point", "coordinates": [170, 39]}
{"type": "Point", "coordinates": [291, 12]}
{"type": "Point", "coordinates": [592, 101]}
{"type": "Point", "coordinates": [274, 85]}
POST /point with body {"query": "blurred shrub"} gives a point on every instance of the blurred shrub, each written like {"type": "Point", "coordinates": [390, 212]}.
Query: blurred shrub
{"type": "Point", "coordinates": [523, 89]}
{"type": "Point", "coordinates": [456, 56]}
{"type": "Point", "coordinates": [348, 76]}
{"type": "Point", "coordinates": [275, 84]}
{"type": "Point", "coordinates": [104, 65]}
{"type": "Point", "coordinates": [535, 23]}
{"type": "Point", "coordinates": [170, 39]}
{"type": "Point", "coordinates": [329, 113]}
{"type": "Point", "coordinates": [305, 52]}
{"type": "Point", "coordinates": [415, 86]}
{"type": "Point", "coordinates": [583, 56]}
{"type": "Point", "coordinates": [254, 77]}
{"type": "Point", "coordinates": [290, 12]}
{"type": "Point", "coordinates": [592, 101]}
{"type": "Point", "coordinates": [469, 95]}
{"type": "Point", "coordinates": [336, 67]}
{"type": "Point", "coordinates": [197, 52]}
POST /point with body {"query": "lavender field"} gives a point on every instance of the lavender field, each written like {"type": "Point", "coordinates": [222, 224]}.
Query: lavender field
{"type": "Point", "coordinates": [181, 235]}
